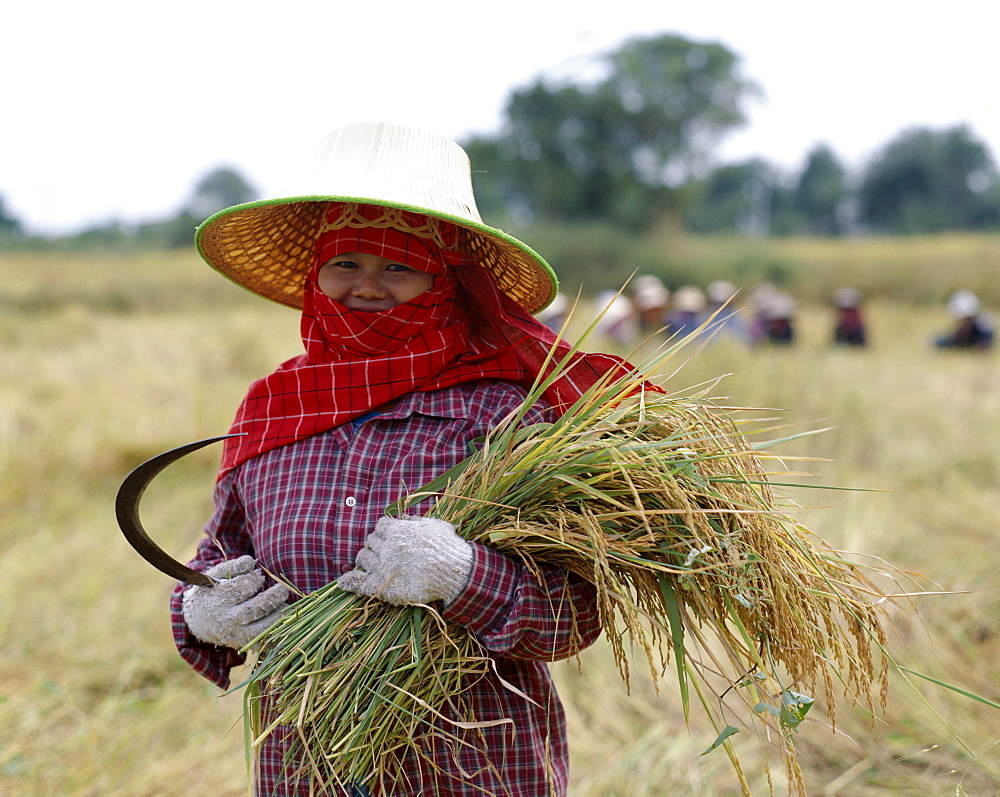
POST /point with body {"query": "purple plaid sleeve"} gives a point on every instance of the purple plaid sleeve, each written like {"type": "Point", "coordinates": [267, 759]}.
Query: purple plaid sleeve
{"type": "Point", "coordinates": [225, 538]}
{"type": "Point", "coordinates": [304, 510]}
{"type": "Point", "coordinates": [517, 614]}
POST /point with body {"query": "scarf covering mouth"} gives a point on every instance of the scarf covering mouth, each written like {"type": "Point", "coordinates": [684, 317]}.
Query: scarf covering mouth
{"type": "Point", "coordinates": [462, 329]}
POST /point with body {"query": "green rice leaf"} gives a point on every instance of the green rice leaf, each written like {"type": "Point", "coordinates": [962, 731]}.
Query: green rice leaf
{"type": "Point", "coordinates": [767, 708]}
{"type": "Point", "coordinates": [728, 731]}
{"type": "Point", "coordinates": [794, 708]}
{"type": "Point", "coordinates": [676, 638]}
{"type": "Point", "coordinates": [953, 688]}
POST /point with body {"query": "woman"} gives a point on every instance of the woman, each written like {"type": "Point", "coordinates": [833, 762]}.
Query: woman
{"type": "Point", "coordinates": [418, 335]}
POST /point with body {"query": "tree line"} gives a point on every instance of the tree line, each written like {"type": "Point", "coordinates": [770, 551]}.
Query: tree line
{"type": "Point", "coordinates": [218, 189]}
{"type": "Point", "coordinates": [635, 147]}
{"type": "Point", "coordinates": [923, 181]}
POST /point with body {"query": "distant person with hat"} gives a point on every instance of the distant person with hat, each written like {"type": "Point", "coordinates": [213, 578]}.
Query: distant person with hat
{"type": "Point", "coordinates": [651, 299]}
{"type": "Point", "coordinates": [687, 311]}
{"type": "Point", "coordinates": [556, 314]}
{"type": "Point", "coordinates": [777, 312]}
{"type": "Point", "coordinates": [616, 319]}
{"type": "Point", "coordinates": [759, 300]}
{"type": "Point", "coordinates": [850, 328]}
{"type": "Point", "coordinates": [418, 338]}
{"type": "Point", "coordinates": [726, 320]}
{"type": "Point", "coordinates": [973, 329]}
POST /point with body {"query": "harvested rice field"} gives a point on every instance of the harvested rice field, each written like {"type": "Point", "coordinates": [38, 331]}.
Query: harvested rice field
{"type": "Point", "coordinates": [107, 361]}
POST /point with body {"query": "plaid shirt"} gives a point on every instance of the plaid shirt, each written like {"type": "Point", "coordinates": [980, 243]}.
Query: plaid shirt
{"type": "Point", "coordinates": [304, 510]}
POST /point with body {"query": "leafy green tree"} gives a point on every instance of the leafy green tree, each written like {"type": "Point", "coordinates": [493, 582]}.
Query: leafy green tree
{"type": "Point", "coordinates": [820, 193]}
{"type": "Point", "coordinates": [9, 226]}
{"type": "Point", "coordinates": [680, 99]}
{"type": "Point", "coordinates": [615, 148]}
{"type": "Point", "coordinates": [927, 181]}
{"type": "Point", "coordinates": [742, 196]}
{"type": "Point", "coordinates": [217, 190]}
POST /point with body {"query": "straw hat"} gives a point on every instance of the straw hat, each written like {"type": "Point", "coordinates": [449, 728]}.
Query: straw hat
{"type": "Point", "coordinates": [963, 304]}
{"type": "Point", "coordinates": [847, 298]}
{"type": "Point", "coordinates": [267, 246]}
{"type": "Point", "coordinates": [720, 291]}
{"type": "Point", "coordinates": [650, 293]}
{"type": "Point", "coordinates": [779, 307]}
{"type": "Point", "coordinates": [689, 299]}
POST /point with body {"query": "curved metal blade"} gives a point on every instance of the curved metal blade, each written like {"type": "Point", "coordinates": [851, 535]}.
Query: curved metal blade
{"type": "Point", "coordinates": [127, 512]}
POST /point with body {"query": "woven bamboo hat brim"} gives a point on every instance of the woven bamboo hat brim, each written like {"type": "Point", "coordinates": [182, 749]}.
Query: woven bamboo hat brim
{"type": "Point", "coordinates": [267, 246]}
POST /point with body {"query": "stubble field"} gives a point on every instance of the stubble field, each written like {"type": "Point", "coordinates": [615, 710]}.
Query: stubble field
{"type": "Point", "coordinates": [107, 361]}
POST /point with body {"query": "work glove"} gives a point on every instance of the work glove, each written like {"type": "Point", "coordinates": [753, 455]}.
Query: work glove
{"type": "Point", "coordinates": [411, 560]}
{"type": "Point", "coordinates": [233, 611]}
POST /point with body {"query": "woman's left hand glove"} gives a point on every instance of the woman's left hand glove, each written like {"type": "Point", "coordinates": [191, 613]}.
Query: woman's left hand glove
{"type": "Point", "coordinates": [411, 560]}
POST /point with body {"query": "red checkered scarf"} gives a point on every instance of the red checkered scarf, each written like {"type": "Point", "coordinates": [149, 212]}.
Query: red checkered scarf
{"type": "Point", "coordinates": [460, 330]}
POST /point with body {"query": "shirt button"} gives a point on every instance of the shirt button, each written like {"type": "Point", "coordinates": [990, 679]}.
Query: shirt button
{"type": "Point", "coordinates": [464, 618]}
{"type": "Point", "coordinates": [351, 500]}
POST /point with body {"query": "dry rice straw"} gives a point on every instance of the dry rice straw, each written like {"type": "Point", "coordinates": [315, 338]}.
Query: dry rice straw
{"type": "Point", "coordinates": [666, 508]}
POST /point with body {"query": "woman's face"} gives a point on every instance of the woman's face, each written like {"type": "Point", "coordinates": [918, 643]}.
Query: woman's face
{"type": "Point", "coordinates": [369, 283]}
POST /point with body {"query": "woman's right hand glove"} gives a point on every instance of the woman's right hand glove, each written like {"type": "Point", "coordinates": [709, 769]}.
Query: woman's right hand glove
{"type": "Point", "coordinates": [234, 611]}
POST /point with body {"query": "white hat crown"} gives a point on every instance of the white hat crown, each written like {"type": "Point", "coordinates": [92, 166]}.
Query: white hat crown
{"type": "Point", "coordinates": [963, 304]}
{"type": "Point", "coordinates": [268, 246]}
{"type": "Point", "coordinates": [396, 164]}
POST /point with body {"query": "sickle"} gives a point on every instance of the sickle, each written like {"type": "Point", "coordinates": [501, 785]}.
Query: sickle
{"type": "Point", "coordinates": [127, 512]}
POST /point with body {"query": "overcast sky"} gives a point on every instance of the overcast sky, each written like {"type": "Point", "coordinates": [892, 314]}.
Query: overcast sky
{"type": "Point", "coordinates": [114, 109]}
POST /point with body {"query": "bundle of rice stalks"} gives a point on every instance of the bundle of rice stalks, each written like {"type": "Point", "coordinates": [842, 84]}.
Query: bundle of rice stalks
{"type": "Point", "coordinates": [666, 508]}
